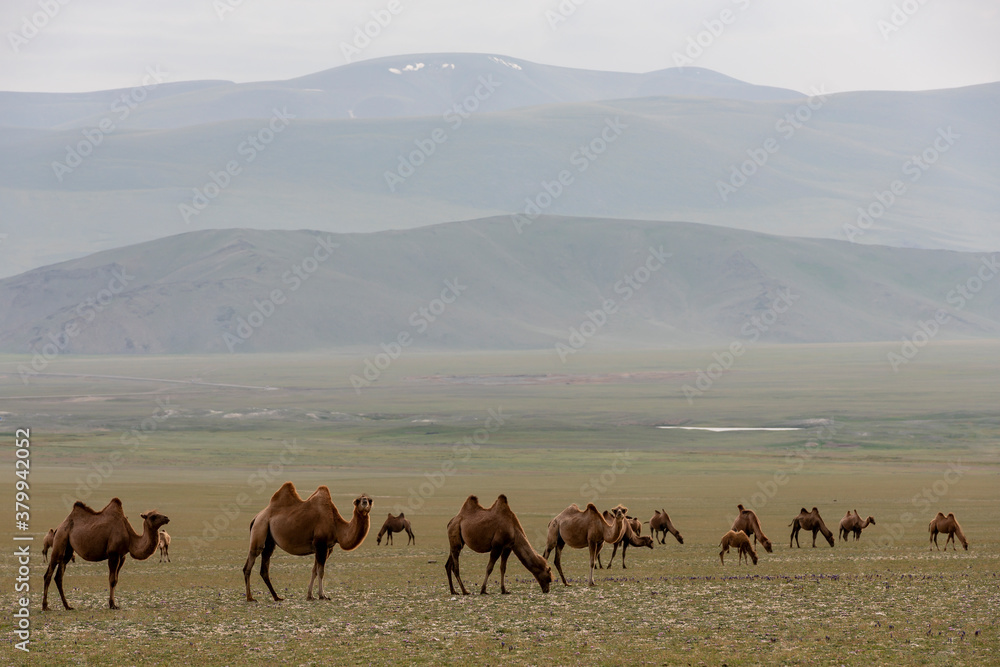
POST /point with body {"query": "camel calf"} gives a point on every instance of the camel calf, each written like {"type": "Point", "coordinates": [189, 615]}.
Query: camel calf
{"type": "Point", "coordinates": [164, 545]}
{"type": "Point", "coordinates": [739, 540]}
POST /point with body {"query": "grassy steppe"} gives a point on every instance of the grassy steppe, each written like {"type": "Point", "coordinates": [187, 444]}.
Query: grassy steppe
{"type": "Point", "coordinates": [900, 446]}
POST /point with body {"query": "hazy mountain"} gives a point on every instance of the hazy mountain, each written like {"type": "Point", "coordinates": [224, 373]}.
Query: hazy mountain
{"type": "Point", "coordinates": [812, 162]}
{"type": "Point", "coordinates": [395, 86]}
{"type": "Point", "coordinates": [484, 285]}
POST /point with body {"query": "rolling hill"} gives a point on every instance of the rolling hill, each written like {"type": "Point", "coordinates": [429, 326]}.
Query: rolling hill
{"type": "Point", "coordinates": [485, 284]}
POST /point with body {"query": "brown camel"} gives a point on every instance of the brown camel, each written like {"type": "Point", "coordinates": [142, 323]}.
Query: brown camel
{"type": "Point", "coordinates": [660, 523]}
{"type": "Point", "coordinates": [809, 521]}
{"type": "Point", "coordinates": [304, 527]}
{"type": "Point", "coordinates": [96, 536]}
{"type": "Point", "coordinates": [947, 524]}
{"type": "Point", "coordinates": [583, 529]}
{"type": "Point", "coordinates": [164, 545]}
{"type": "Point", "coordinates": [395, 524]}
{"type": "Point", "coordinates": [631, 538]}
{"type": "Point", "coordinates": [495, 530]}
{"type": "Point", "coordinates": [852, 523]}
{"type": "Point", "coordinates": [738, 539]}
{"type": "Point", "coordinates": [47, 543]}
{"type": "Point", "coordinates": [747, 523]}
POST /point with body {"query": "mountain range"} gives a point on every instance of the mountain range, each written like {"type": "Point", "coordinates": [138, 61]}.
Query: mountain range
{"type": "Point", "coordinates": [405, 142]}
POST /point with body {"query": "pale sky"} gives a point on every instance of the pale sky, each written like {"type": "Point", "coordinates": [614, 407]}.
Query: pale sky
{"type": "Point", "coordinates": [80, 45]}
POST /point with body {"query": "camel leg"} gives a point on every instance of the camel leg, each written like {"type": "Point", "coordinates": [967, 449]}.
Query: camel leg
{"type": "Point", "coordinates": [247, 571]}
{"type": "Point", "coordinates": [934, 540]}
{"type": "Point", "coordinates": [59, 577]}
{"type": "Point", "coordinates": [624, 548]}
{"type": "Point", "coordinates": [494, 555]}
{"type": "Point", "coordinates": [503, 570]}
{"type": "Point", "coordinates": [166, 552]}
{"type": "Point", "coordinates": [452, 567]}
{"type": "Point", "coordinates": [951, 538]}
{"type": "Point", "coordinates": [721, 558]}
{"type": "Point", "coordinates": [795, 536]}
{"type": "Point", "coordinates": [319, 567]}
{"type": "Point", "coordinates": [593, 563]}
{"type": "Point", "coordinates": [48, 578]}
{"type": "Point", "coordinates": [613, 553]}
{"type": "Point", "coordinates": [411, 538]}
{"type": "Point", "coordinates": [558, 561]}
{"type": "Point", "coordinates": [114, 565]}
{"type": "Point", "coordinates": [265, 564]}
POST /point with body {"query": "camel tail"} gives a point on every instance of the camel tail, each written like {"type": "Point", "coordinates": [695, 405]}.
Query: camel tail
{"type": "Point", "coordinates": [251, 523]}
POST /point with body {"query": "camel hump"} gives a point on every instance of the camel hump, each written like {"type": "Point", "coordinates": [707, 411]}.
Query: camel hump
{"type": "Point", "coordinates": [80, 505]}
{"type": "Point", "coordinates": [285, 494]}
{"type": "Point", "coordinates": [322, 493]}
{"type": "Point", "coordinates": [471, 503]}
{"type": "Point", "coordinates": [950, 515]}
{"type": "Point", "coordinates": [502, 499]}
{"type": "Point", "coordinates": [803, 511]}
{"type": "Point", "coordinates": [401, 516]}
{"type": "Point", "coordinates": [940, 515]}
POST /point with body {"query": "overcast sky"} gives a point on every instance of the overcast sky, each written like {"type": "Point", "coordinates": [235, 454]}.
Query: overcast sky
{"type": "Point", "coordinates": [79, 45]}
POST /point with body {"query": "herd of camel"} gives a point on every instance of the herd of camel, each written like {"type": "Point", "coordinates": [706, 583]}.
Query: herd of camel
{"type": "Point", "coordinates": [314, 526]}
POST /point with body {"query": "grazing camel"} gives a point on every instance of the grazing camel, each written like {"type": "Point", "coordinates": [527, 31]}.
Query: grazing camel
{"type": "Point", "coordinates": [586, 528]}
{"type": "Point", "coordinates": [809, 521]}
{"type": "Point", "coordinates": [748, 523]}
{"type": "Point", "coordinates": [47, 543]}
{"type": "Point", "coordinates": [495, 530]}
{"type": "Point", "coordinates": [395, 524]}
{"type": "Point", "coordinates": [947, 524]}
{"type": "Point", "coordinates": [96, 536]}
{"type": "Point", "coordinates": [738, 539]}
{"type": "Point", "coordinates": [852, 523]}
{"type": "Point", "coordinates": [304, 527]}
{"type": "Point", "coordinates": [164, 545]}
{"type": "Point", "coordinates": [631, 538]}
{"type": "Point", "coordinates": [660, 523]}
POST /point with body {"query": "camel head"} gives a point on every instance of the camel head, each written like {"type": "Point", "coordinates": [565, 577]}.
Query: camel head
{"type": "Point", "coordinates": [363, 504]}
{"type": "Point", "coordinates": [545, 578]}
{"type": "Point", "coordinates": [643, 541]}
{"type": "Point", "coordinates": [154, 520]}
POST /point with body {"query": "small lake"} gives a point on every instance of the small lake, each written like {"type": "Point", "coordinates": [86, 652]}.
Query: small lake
{"type": "Point", "coordinates": [719, 429]}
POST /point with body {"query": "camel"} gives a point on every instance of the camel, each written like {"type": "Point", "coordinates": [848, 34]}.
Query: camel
{"type": "Point", "coordinates": [631, 538]}
{"type": "Point", "coordinates": [809, 521]}
{"type": "Point", "coordinates": [586, 528]}
{"type": "Point", "coordinates": [495, 530]}
{"type": "Point", "coordinates": [96, 536]}
{"type": "Point", "coordinates": [947, 524]}
{"type": "Point", "coordinates": [395, 524]}
{"type": "Point", "coordinates": [304, 527]}
{"type": "Point", "coordinates": [747, 523]}
{"type": "Point", "coordinates": [738, 539]}
{"type": "Point", "coordinates": [164, 545]}
{"type": "Point", "coordinates": [660, 523]}
{"type": "Point", "coordinates": [852, 523]}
